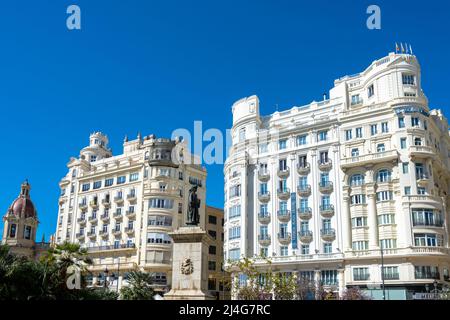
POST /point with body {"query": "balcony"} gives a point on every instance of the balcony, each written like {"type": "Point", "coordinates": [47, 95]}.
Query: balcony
{"type": "Point", "coordinates": [83, 206]}
{"type": "Point", "coordinates": [361, 277]}
{"type": "Point", "coordinates": [328, 234]}
{"type": "Point", "coordinates": [264, 240]}
{"type": "Point", "coordinates": [304, 190]}
{"type": "Point", "coordinates": [91, 234]}
{"type": "Point", "coordinates": [118, 199]}
{"type": "Point", "coordinates": [81, 220]}
{"type": "Point", "coordinates": [80, 236]}
{"type": "Point", "coordinates": [93, 219]}
{"type": "Point", "coordinates": [94, 204]}
{"type": "Point", "coordinates": [264, 217]}
{"type": "Point", "coordinates": [284, 193]}
{"type": "Point", "coordinates": [130, 214]}
{"type": "Point", "coordinates": [103, 233]}
{"type": "Point", "coordinates": [371, 158]}
{"type": "Point", "coordinates": [284, 215]}
{"type": "Point", "coordinates": [391, 276]}
{"type": "Point", "coordinates": [303, 168]}
{"type": "Point", "coordinates": [304, 213]}
{"type": "Point", "coordinates": [105, 217]}
{"type": "Point", "coordinates": [118, 215]}
{"type": "Point", "coordinates": [421, 151]}
{"type": "Point", "coordinates": [129, 230]}
{"type": "Point", "coordinates": [326, 187]}
{"type": "Point", "coordinates": [117, 232]}
{"type": "Point", "coordinates": [264, 196]}
{"type": "Point", "coordinates": [106, 203]}
{"type": "Point", "coordinates": [263, 175]}
{"type": "Point", "coordinates": [357, 102]}
{"type": "Point", "coordinates": [422, 179]}
{"type": "Point", "coordinates": [327, 211]}
{"type": "Point", "coordinates": [283, 172]}
{"type": "Point", "coordinates": [284, 238]}
{"type": "Point", "coordinates": [325, 165]}
{"type": "Point", "coordinates": [126, 246]}
{"type": "Point", "coordinates": [131, 197]}
{"type": "Point", "coordinates": [306, 236]}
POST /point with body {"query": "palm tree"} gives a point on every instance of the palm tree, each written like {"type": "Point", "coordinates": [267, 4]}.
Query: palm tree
{"type": "Point", "coordinates": [139, 287]}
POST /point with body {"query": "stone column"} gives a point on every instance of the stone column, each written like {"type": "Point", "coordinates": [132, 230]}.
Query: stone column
{"type": "Point", "coordinates": [346, 221]}
{"type": "Point", "coordinates": [317, 281]}
{"type": "Point", "coordinates": [373, 219]}
{"type": "Point", "coordinates": [341, 281]}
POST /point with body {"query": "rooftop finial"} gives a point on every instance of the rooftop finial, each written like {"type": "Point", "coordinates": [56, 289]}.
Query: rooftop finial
{"type": "Point", "coordinates": [125, 139]}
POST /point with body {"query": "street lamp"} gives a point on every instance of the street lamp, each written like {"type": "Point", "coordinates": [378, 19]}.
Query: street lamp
{"type": "Point", "coordinates": [106, 271]}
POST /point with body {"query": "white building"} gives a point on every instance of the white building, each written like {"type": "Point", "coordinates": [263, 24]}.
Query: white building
{"type": "Point", "coordinates": [122, 207]}
{"type": "Point", "coordinates": [319, 189]}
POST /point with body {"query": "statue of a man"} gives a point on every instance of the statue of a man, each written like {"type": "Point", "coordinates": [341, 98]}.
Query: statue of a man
{"type": "Point", "coordinates": [193, 217]}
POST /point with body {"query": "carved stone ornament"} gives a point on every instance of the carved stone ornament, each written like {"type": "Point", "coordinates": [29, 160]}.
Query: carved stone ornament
{"type": "Point", "coordinates": [187, 266]}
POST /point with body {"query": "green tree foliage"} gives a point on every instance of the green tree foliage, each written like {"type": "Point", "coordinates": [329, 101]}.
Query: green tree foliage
{"type": "Point", "coordinates": [139, 287]}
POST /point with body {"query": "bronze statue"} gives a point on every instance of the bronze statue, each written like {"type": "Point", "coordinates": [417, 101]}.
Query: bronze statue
{"type": "Point", "coordinates": [193, 217]}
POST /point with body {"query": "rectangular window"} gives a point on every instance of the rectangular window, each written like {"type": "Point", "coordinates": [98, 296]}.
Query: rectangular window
{"type": "Point", "coordinates": [212, 219]}
{"type": "Point", "coordinates": [388, 243]}
{"type": "Point", "coordinates": [86, 186]}
{"type": "Point", "coordinates": [391, 273]}
{"type": "Point", "coordinates": [305, 249]}
{"type": "Point", "coordinates": [109, 182]}
{"type": "Point", "coordinates": [373, 129]}
{"type": "Point", "coordinates": [283, 251]}
{"type": "Point", "coordinates": [235, 211]}
{"type": "Point", "coordinates": [212, 250]}
{"type": "Point", "coordinates": [405, 166]}
{"type": "Point", "coordinates": [235, 191]}
{"type": "Point", "coordinates": [381, 147]}
{"type": "Point", "coordinates": [121, 179]}
{"type": "Point", "coordinates": [327, 248]}
{"type": "Point", "coordinates": [134, 176]}
{"type": "Point", "coordinates": [407, 191]}
{"type": "Point", "coordinates": [282, 144]}
{"type": "Point", "coordinates": [322, 135]}
{"type": "Point", "coordinates": [211, 265]}
{"type": "Point", "coordinates": [97, 185]}
{"type": "Point", "coordinates": [361, 274]}
{"type": "Point", "coordinates": [408, 79]}
{"type": "Point", "coordinates": [263, 148]}
{"type": "Point", "coordinates": [359, 133]}
{"type": "Point", "coordinates": [356, 99]}
{"type": "Point", "coordinates": [401, 122]}
{"type": "Point", "coordinates": [301, 140]}
{"type": "Point", "coordinates": [355, 152]}
{"type": "Point", "coordinates": [384, 196]}
{"type": "Point", "coordinates": [384, 219]}
{"type": "Point", "coordinates": [426, 272]}
{"type": "Point", "coordinates": [384, 127]}
{"type": "Point", "coordinates": [403, 143]}
{"type": "Point", "coordinates": [415, 122]}
{"type": "Point", "coordinates": [234, 233]}
{"type": "Point", "coordinates": [213, 234]}
{"type": "Point", "coordinates": [360, 245]}
{"type": "Point", "coordinates": [348, 135]}
{"type": "Point", "coordinates": [359, 222]}
{"type": "Point", "coordinates": [370, 91]}
{"type": "Point", "coordinates": [241, 134]}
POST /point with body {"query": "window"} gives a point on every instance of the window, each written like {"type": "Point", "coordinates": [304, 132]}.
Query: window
{"type": "Point", "coordinates": [391, 273]}
{"type": "Point", "coordinates": [211, 265]}
{"type": "Point", "coordinates": [109, 182]}
{"type": "Point", "coordinates": [381, 147]}
{"type": "Point", "coordinates": [234, 233]}
{"type": "Point", "coordinates": [403, 143]}
{"type": "Point", "coordinates": [348, 135]}
{"type": "Point", "coordinates": [370, 91]}
{"type": "Point", "coordinates": [388, 243]}
{"type": "Point", "coordinates": [134, 176]}
{"type": "Point", "coordinates": [282, 165]}
{"type": "Point", "coordinates": [322, 135]}
{"type": "Point", "coordinates": [241, 134]}
{"type": "Point", "coordinates": [401, 122]}
{"type": "Point", "coordinates": [213, 234]}
{"type": "Point", "coordinates": [327, 248]}
{"type": "Point", "coordinates": [356, 180]}
{"type": "Point", "coordinates": [405, 167]}
{"type": "Point", "coordinates": [359, 133]}
{"type": "Point", "coordinates": [415, 121]}
{"type": "Point", "coordinates": [427, 217]}
{"type": "Point", "coordinates": [212, 219]}
{"type": "Point", "coordinates": [156, 220]}
{"type": "Point", "coordinates": [93, 158]}
{"type": "Point", "coordinates": [384, 219]}
{"type": "Point", "coordinates": [305, 249]}
{"type": "Point", "coordinates": [384, 175]}
{"type": "Point", "coordinates": [301, 140]}
{"type": "Point", "coordinates": [121, 179]}
{"type": "Point", "coordinates": [85, 186]}
{"type": "Point", "coordinates": [212, 250]}
{"type": "Point", "coordinates": [161, 203]}
{"type": "Point", "coordinates": [408, 79]}
{"type": "Point", "coordinates": [235, 191]}
{"type": "Point", "coordinates": [407, 191]}
{"type": "Point", "coordinates": [264, 252]}
{"type": "Point", "coordinates": [356, 99]}
{"type": "Point", "coordinates": [97, 185]}
{"type": "Point", "coordinates": [358, 199]}
{"type": "Point", "coordinates": [384, 196]}
{"type": "Point", "coordinates": [359, 222]}
{"type": "Point", "coordinates": [263, 148]}
{"type": "Point", "coordinates": [283, 251]}
{"type": "Point", "coordinates": [417, 141]}
{"type": "Point", "coordinates": [27, 232]}
{"type": "Point", "coordinates": [426, 272]}
{"type": "Point", "coordinates": [360, 245]}
{"type": "Point", "coordinates": [373, 129]}
{"type": "Point", "coordinates": [329, 277]}
{"type": "Point", "coordinates": [384, 127]}
{"type": "Point", "coordinates": [235, 211]}
{"type": "Point", "coordinates": [361, 274]}
{"type": "Point", "coordinates": [158, 237]}
{"type": "Point", "coordinates": [355, 152]}
{"type": "Point", "coordinates": [323, 157]}
{"type": "Point", "coordinates": [282, 144]}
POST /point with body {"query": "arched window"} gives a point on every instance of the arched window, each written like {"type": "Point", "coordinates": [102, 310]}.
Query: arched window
{"type": "Point", "coordinates": [146, 156]}
{"type": "Point", "coordinates": [417, 141]}
{"type": "Point", "coordinates": [12, 230]}
{"type": "Point", "coordinates": [384, 175]}
{"type": "Point", "coordinates": [356, 180]}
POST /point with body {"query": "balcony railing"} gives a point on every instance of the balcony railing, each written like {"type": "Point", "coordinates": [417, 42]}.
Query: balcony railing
{"type": "Point", "coordinates": [264, 217]}
{"type": "Point", "coordinates": [264, 196]}
{"type": "Point", "coordinates": [93, 219]}
{"type": "Point", "coordinates": [325, 165]}
{"type": "Point", "coordinates": [263, 175]}
{"type": "Point", "coordinates": [130, 214]}
{"type": "Point", "coordinates": [82, 206]}
{"type": "Point", "coordinates": [305, 236]}
{"type": "Point", "coordinates": [283, 172]}
{"type": "Point", "coordinates": [117, 232]}
{"type": "Point", "coordinates": [304, 190]}
{"type": "Point", "coordinates": [106, 203]}
{"type": "Point", "coordinates": [326, 186]}
{"type": "Point", "coordinates": [103, 233]}
{"type": "Point", "coordinates": [421, 151]}
{"type": "Point", "coordinates": [131, 197]}
{"type": "Point", "coordinates": [81, 220]}
{"type": "Point", "coordinates": [91, 234]}
{"type": "Point", "coordinates": [105, 217]}
{"type": "Point", "coordinates": [284, 215]}
{"type": "Point", "coordinates": [129, 229]}
{"type": "Point", "coordinates": [80, 235]}
{"type": "Point", "coordinates": [303, 168]}
{"type": "Point", "coordinates": [328, 234]}
{"type": "Point", "coordinates": [93, 204]}
{"type": "Point", "coordinates": [357, 102]}
{"type": "Point", "coordinates": [371, 158]}
{"type": "Point", "coordinates": [391, 276]}
{"type": "Point", "coordinates": [361, 277]}
{"type": "Point", "coordinates": [284, 237]}
{"type": "Point", "coordinates": [112, 247]}
{"type": "Point", "coordinates": [284, 193]}
{"type": "Point", "coordinates": [304, 213]}
{"type": "Point", "coordinates": [327, 211]}
{"type": "Point", "coordinates": [118, 199]}
{"type": "Point", "coordinates": [264, 239]}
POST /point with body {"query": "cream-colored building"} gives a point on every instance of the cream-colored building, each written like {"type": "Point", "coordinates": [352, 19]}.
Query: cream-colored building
{"type": "Point", "coordinates": [320, 189]}
{"type": "Point", "coordinates": [121, 207]}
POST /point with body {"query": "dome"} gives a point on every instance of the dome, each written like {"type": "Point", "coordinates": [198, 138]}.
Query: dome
{"type": "Point", "coordinates": [23, 207]}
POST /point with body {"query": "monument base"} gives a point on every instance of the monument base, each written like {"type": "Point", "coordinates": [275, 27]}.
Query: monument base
{"type": "Point", "coordinates": [190, 264]}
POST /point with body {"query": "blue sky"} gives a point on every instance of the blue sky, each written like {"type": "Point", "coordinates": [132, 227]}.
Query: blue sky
{"type": "Point", "coordinates": [154, 66]}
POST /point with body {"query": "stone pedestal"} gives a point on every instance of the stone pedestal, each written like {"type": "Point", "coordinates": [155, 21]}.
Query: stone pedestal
{"type": "Point", "coordinates": [190, 264]}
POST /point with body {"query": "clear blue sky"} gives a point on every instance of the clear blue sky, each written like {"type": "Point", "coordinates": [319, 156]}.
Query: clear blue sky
{"type": "Point", "coordinates": [153, 66]}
